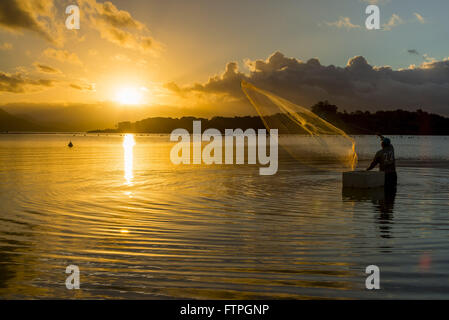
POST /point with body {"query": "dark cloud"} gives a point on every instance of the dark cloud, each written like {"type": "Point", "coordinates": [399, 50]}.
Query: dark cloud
{"type": "Point", "coordinates": [75, 86]}
{"type": "Point", "coordinates": [413, 51]}
{"type": "Point", "coordinates": [83, 86]}
{"type": "Point", "coordinates": [31, 15]}
{"type": "Point", "coordinates": [358, 85]}
{"type": "Point", "coordinates": [18, 83]}
{"type": "Point", "coordinates": [45, 69]}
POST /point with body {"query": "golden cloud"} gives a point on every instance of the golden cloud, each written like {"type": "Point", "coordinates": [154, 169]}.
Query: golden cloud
{"type": "Point", "coordinates": [19, 83]}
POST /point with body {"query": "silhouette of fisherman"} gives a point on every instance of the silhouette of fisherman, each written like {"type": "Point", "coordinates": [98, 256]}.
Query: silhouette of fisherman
{"type": "Point", "coordinates": [387, 163]}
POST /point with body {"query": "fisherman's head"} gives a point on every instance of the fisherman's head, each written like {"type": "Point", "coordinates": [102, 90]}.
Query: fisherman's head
{"type": "Point", "coordinates": [385, 143]}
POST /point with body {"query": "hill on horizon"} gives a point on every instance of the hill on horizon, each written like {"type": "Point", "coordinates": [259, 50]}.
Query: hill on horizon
{"type": "Point", "coordinates": [9, 122]}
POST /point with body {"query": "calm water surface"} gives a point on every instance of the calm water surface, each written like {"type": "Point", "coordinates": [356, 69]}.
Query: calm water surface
{"type": "Point", "coordinates": [139, 227]}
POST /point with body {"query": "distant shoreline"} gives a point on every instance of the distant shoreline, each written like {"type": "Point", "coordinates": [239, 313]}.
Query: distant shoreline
{"type": "Point", "coordinates": [37, 132]}
{"type": "Point", "coordinates": [94, 133]}
{"type": "Point", "coordinates": [398, 122]}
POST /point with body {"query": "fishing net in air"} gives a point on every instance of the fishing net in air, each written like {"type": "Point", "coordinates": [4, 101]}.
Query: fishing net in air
{"type": "Point", "coordinates": [304, 135]}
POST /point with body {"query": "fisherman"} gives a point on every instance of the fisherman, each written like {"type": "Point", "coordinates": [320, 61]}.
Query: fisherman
{"type": "Point", "coordinates": [387, 163]}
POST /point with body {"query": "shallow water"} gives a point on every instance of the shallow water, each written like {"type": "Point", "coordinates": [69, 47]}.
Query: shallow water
{"type": "Point", "coordinates": [139, 227]}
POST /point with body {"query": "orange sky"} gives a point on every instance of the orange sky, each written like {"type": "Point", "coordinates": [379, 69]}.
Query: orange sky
{"type": "Point", "coordinates": [180, 55]}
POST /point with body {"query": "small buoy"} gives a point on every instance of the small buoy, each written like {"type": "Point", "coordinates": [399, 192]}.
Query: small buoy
{"type": "Point", "coordinates": [70, 144]}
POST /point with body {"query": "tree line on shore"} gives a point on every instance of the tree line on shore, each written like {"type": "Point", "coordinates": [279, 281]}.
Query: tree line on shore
{"type": "Point", "coordinates": [397, 122]}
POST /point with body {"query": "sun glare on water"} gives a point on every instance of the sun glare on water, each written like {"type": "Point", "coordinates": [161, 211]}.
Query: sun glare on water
{"type": "Point", "coordinates": [129, 96]}
{"type": "Point", "coordinates": [128, 145]}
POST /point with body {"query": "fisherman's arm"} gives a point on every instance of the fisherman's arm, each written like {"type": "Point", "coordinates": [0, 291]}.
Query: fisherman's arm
{"type": "Point", "coordinates": [374, 163]}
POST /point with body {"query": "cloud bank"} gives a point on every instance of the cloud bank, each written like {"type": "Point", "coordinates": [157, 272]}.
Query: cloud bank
{"type": "Point", "coordinates": [19, 83]}
{"type": "Point", "coordinates": [119, 27]}
{"type": "Point", "coordinates": [343, 22]}
{"type": "Point", "coordinates": [358, 85]}
{"type": "Point", "coordinates": [29, 15]}
{"type": "Point", "coordinates": [46, 18]}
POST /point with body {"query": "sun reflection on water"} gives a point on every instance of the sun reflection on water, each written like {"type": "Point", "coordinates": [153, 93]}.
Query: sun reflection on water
{"type": "Point", "coordinates": [128, 145]}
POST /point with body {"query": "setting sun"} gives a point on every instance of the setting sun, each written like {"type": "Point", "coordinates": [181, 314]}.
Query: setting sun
{"type": "Point", "coordinates": [129, 95]}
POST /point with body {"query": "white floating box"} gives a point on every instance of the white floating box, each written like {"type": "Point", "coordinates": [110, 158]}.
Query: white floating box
{"type": "Point", "coordinates": [363, 179]}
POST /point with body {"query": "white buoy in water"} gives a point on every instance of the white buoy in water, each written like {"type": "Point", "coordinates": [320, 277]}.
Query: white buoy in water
{"type": "Point", "coordinates": [363, 179]}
